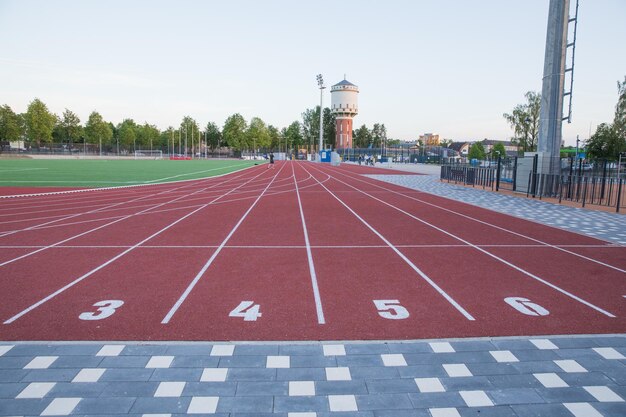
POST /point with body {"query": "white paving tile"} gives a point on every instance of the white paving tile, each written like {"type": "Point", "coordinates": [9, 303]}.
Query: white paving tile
{"type": "Point", "coordinates": [160, 362]}
{"type": "Point", "coordinates": [223, 350]}
{"type": "Point", "coordinates": [156, 415]}
{"type": "Point", "coordinates": [456, 369]}
{"type": "Point", "coordinates": [441, 347]}
{"type": "Point", "coordinates": [334, 350]}
{"type": "Point", "coordinates": [476, 398]}
{"type": "Point", "coordinates": [36, 390]}
{"type": "Point", "coordinates": [5, 348]}
{"type": "Point", "coordinates": [503, 356]}
{"type": "Point", "coordinates": [543, 344]}
{"type": "Point", "coordinates": [603, 394]}
{"type": "Point", "coordinates": [609, 353]}
{"type": "Point", "coordinates": [301, 414]}
{"type": "Point", "coordinates": [170, 389]}
{"type": "Point", "coordinates": [111, 350]}
{"type": "Point", "coordinates": [89, 375]}
{"type": "Point", "coordinates": [41, 362]}
{"type": "Point", "coordinates": [61, 407]}
{"type": "Point", "coordinates": [429, 385]}
{"type": "Point", "coordinates": [569, 365]}
{"type": "Point", "coordinates": [551, 380]}
{"type": "Point", "coordinates": [277, 362]}
{"type": "Point", "coordinates": [203, 405]}
{"type": "Point", "coordinates": [341, 373]}
{"type": "Point", "coordinates": [582, 410]}
{"type": "Point", "coordinates": [214, 375]}
{"type": "Point", "coordinates": [301, 388]}
{"type": "Point", "coordinates": [444, 412]}
{"type": "Point", "coordinates": [393, 359]}
{"type": "Point", "coordinates": [342, 403]}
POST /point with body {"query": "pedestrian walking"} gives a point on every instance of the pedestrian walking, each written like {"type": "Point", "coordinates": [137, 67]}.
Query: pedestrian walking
{"type": "Point", "coordinates": [271, 164]}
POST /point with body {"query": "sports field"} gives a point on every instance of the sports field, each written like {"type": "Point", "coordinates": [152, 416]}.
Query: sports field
{"type": "Point", "coordinates": [301, 252]}
{"type": "Point", "coordinates": [108, 172]}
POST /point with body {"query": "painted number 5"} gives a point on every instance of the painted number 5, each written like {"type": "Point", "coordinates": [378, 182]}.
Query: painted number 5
{"type": "Point", "coordinates": [391, 309]}
{"type": "Point", "coordinates": [525, 306]}
{"type": "Point", "coordinates": [106, 309]}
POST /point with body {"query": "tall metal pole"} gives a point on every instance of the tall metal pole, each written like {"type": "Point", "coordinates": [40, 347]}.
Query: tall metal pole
{"type": "Point", "coordinates": [320, 82]}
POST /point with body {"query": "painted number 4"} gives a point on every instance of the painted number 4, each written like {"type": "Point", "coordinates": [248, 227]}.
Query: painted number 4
{"type": "Point", "coordinates": [106, 309]}
{"type": "Point", "coordinates": [248, 310]}
{"type": "Point", "coordinates": [391, 309]}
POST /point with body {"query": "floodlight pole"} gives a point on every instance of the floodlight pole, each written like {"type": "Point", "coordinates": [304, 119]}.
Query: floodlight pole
{"type": "Point", "coordinates": [320, 82]}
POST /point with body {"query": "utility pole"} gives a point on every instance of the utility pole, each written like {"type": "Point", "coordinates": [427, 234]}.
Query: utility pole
{"type": "Point", "coordinates": [320, 83]}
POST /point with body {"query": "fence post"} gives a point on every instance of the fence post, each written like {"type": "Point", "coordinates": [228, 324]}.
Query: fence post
{"type": "Point", "coordinates": [585, 183]}
{"type": "Point", "coordinates": [619, 194]}
{"type": "Point", "coordinates": [515, 175]}
{"type": "Point", "coordinates": [535, 160]}
{"type": "Point", "coordinates": [498, 172]}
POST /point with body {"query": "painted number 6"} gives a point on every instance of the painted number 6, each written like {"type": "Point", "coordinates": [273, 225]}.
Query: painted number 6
{"type": "Point", "coordinates": [525, 306]}
{"type": "Point", "coordinates": [106, 309]}
{"type": "Point", "coordinates": [391, 309]}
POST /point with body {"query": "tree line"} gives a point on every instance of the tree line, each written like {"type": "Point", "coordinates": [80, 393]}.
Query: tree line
{"type": "Point", "coordinates": [38, 127]}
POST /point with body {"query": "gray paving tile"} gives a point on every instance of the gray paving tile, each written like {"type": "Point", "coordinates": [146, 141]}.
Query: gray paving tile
{"type": "Point", "coordinates": [119, 405]}
{"type": "Point", "coordinates": [176, 374]}
{"type": "Point", "coordinates": [195, 361]}
{"type": "Point", "coordinates": [580, 379]}
{"type": "Point", "coordinates": [13, 375]}
{"type": "Point", "coordinates": [10, 390]}
{"type": "Point", "coordinates": [308, 361]}
{"type": "Point", "coordinates": [541, 410]}
{"type": "Point", "coordinates": [76, 389]}
{"type": "Point", "coordinates": [111, 362]}
{"type": "Point", "coordinates": [210, 389]}
{"type": "Point", "coordinates": [251, 415]}
{"type": "Point", "coordinates": [473, 346]}
{"type": "Point", "coordinates": [242, 361]}
{"type": "Point", "coordinates": [245, 405]}
{"type": "Point", "coordinates": [366, 348]}
{"type": "Point", "coordinates": [617, 375]}
{"type": "Point", "coordinates": [514, 381]}
{"type": "Point", "coordinates": [23, 407]}
{"type": "Point", "coordinates": [77, 350]}
{"type": "Point", "coordinates": [144, 350]}
{"type": "Point", "coordinates": [600, 364]}
{"type": "Point", "coordinates": [14, 362]}
{"type": "Point", "coordinates": [295, 350]}
{"type": "Point", "coordinates": [492, 369]}
{"type": "Point", "coordinates": [359, 360]}
{"type": "Point", "coordinates": [422, 371]}
{"type": "Point", "coordinates": [409, 348]}
{"type": "Point", "coordinates": [251, 374]}
{"type": "Point", "coordinates": [574, 342]}
{"type": "Point", "coordinates": [161, 405]}
{"type": "Point", "coordinates": [466, 383]}
{"type": "Point", "coordinates": [497, 411]}
{"type": "Point", "coordinates": [383, 402]}
{"type": "Point", "coordinates": [50, 375]}
{"type": "Point", "coordinates": [611, 409]}
{"type": "Point", "coordinates": [537, 355]}
{"type": "Point", "coordinates": [300, 404]}
{"type": "Point", "coordinates": [273, 388]}
{"type": "Point", "coordinates": [536, 367]}
{"type": "Point", "coordinates": [511, 396]}
{"type": "Point", "coordinates": [76, 362]}
{"type": "Point", "coordinates": [375, 372]}
{"type": "Point", "coordinates": [576, 353]}
{"type": "Point", "coordinates": [402, 413]}
{"type": "Point", "coordinates": [340, 387]}
{"type": "Point", "coordinates": [513, 344]}
{"type": "Point", "coordinates": [127, 374]}
{"type": "Point", "coordinates": [35, 349]}
{"type": "Point", "coordinates": [301, 374]}
{"type": "Point", "coordinates": [458, 357]}
{"type": "Point", "coordinates": [565, 395]}
{"type": "Point", "coordinates": [188, 350]}
{"type": "Point", "coordinates": [256, 350]}
{"type": "Point", "coordinates": [436, 399]}
{"type": "Point", "coordinates": [393, 386]}
{"type": "Point", "coordinates": [610, 341]}
{"type": "Point", "coordinates": [129, 389]}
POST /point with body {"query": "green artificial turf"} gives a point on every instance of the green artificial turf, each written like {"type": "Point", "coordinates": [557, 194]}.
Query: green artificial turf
{"type": "Point", "coordinates": [108, 172]}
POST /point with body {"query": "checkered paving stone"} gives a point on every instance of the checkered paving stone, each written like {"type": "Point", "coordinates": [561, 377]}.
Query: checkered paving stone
{"type": "Point", "coordinates": [610, 227]}
{"type": "Point", "coordinates": [582, 376]}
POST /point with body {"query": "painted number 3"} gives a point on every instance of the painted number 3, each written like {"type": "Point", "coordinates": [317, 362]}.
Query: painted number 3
{"type": "Point", "coordinates": [106, 309]}
{"type": "Point", "coordinates": [391, 309]}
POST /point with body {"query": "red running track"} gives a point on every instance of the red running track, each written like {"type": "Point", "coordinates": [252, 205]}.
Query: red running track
{"type": "Point", "coordinates": [301, 252]}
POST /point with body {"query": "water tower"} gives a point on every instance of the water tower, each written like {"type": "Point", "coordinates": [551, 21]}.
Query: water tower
{"type": "Point", "coordinates": [344, 105]}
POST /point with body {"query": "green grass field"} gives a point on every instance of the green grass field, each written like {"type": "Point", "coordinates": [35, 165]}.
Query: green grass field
{"type": "Point", "coordinates": [108, 173]}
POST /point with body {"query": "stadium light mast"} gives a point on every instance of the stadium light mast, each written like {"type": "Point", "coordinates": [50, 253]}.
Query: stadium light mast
{"type": "Point", "coordinates": [320, 83]}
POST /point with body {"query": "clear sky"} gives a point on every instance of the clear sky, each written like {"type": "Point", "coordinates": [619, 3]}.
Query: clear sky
{"type": "Point", "coordinates": [444, 66]}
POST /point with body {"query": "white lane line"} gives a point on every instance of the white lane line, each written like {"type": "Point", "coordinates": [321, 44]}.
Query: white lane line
{"type": "Point", "coordinates": [113, 222]}
{"type": "Point", "coordinates": [93, 271]}
{"type": "Point", "coordinates": [208, 263]}
{"type": "Point", "coordinates": [559, 247]}
{"type": "Point", "coordinates": [316, 291]}
{"type": "Point", "coordinates": [504, 261]}
{"type": "Point", "coordinates": [191, 173]}
{"type": "Point", "coordinates": [432, 283]}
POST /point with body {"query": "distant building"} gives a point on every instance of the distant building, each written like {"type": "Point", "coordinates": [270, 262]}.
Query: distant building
{"type": "Point", "coordinates": [510, 148]}
{"type": "Point", "coordinates": [344, 105]}
{"type": "Point", "coordinates": [428, 139]}
{"type": "Point", "coordinates": [461, 147]}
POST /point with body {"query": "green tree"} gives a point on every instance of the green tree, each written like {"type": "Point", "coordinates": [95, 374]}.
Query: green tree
{"type": "Point", "coordinates": [213, 135]}
{"type": "Point", "coordinates": [190, 134]}
{"type": "Point", "coordinates": [330, 128]}
{"type": "Point", "coordinates": [257, 135]}
{"type": "Point", "coordinates": [477, 151]}
{"type": "Point", "coordinates": [97, 131]}
{"type": "Point", "coordinates": [127, 131]}
{"type": "Point", "coordinates": [275, 137]}
{"type": "Point", "coordinates": [70, 127]}
{"type": "Point", "coordinates": [234, 131]}
{"type": "Point", "coordinates": [524, 120]}
{"type": "Point", "coordinates": [39, 122]}
{"type": "Point", "coordinates": [293, 136]}
{"type": "Point", "coordinates": [10, 126]}
{"type": "Point", "coordinates": [362, 137]}
{"type": "Point", "coordinates": [497, 150]}
{"type": "Point", "coordinates": [605, 142]}
{"type": "Point", "coordinates": [619, 122]}
{"type": "Point", "coordinates": [311, 127]}
{"type": "Point", "coordinates": [147, 136]}
{"type": "Point", "coordinates": [379, 135]}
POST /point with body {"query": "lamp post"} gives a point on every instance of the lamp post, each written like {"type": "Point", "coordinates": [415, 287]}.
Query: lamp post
{"type": "Point", "coordinates": [320, 83]}
{"type": "Point", "coordinates": [526, 121]}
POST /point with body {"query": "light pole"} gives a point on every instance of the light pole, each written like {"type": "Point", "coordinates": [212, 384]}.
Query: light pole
{"type": "Point", "coordinates": [320, 83]}
{"type": "Point", "coordinates": [526, 121]}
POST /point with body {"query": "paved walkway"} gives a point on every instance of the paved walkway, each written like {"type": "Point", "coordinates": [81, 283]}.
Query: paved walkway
{"type": "Point", "coordinates": [525, 377]}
